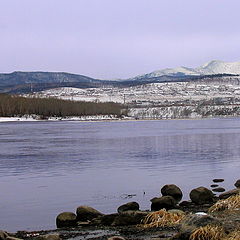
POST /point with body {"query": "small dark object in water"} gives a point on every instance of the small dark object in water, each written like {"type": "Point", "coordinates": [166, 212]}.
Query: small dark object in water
{"type": "Point", "coordinates": [128, 196]}
{"type": "Point", "coordinates": [237, 183]}
{"type": "Point", "coordinates": [214, 185]}
{"type": "Point", "coordinates": [219, 189]}
{"type": "Point", "coordinates": [218, 180]}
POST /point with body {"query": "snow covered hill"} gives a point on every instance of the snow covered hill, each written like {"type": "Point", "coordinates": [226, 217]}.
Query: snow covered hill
{"type": "Point", "coordinates": [210, 68]}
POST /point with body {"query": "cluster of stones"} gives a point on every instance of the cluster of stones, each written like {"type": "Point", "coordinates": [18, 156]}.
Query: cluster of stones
{"type": "Point", "coordinates": [129, 213]}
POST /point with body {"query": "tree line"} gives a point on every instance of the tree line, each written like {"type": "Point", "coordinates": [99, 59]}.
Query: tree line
{"type": "Point", "coordinates": [11, 105]}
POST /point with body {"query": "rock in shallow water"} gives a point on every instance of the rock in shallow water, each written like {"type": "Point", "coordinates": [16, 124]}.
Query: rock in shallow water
{"type": "Point", "coordinates": [218, 180]}
{"type": "Point", "coordinates": [201, 195]}
{"type": "Point", "coordinates": [133, 206]}
{"type": "Point", "coordinates": [219, 189]}
{"type": "Point", "coordinates": [166, 202]}
{"type": "Point", "coordinates": [85, 213]}
{"type": "Point", "coordinates": [173, 191]}
{"type": "Point", "coordinates": [237, 183]}
{"type": "Point", "coordinates": [66, 219]}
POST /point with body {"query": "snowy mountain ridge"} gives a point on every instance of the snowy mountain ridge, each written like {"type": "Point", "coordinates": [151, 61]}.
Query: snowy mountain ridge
{"type": "Point", "coordinates": [210, 68]}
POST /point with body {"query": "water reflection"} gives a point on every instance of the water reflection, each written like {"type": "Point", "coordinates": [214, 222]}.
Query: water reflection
{"type": "Point", "coordinates": [97, 163]}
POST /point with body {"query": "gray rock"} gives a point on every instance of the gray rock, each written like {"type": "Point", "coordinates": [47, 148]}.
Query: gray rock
{"type": "Point", "coordinates": [173, 191]}
{"type": "Point", "coordinates": [229, 193]}
{"type": "Point", "coordinates": [85, 213]}
{"type": "Point", "coordinates": [129, 218]}
{"type": "Point", "coordinates": [166, 202]}
{"type": "Point", "coordinates": [131, 206]}
{"type": "Point", "coordinates": [201, 195]}
{"type": "Point", "coordinates": [66, 219]}
{"type": "Point", "coordinates": [237, 183]}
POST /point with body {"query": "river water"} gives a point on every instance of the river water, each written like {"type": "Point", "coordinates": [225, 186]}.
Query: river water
{"type": "Point", "coordinates": [50, 167]}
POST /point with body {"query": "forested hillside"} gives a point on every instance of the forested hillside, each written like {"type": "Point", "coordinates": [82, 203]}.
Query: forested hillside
{"type": "Point", "coordinates": [18, 106]}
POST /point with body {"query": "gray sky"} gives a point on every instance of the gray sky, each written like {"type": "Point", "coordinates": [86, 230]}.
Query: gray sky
{"type": "Point", "coordinates": [116, 38]}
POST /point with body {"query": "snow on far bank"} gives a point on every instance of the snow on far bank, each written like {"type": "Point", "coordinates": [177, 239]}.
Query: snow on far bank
{"type": "Point", "coordinates": [70, 118]}
{"type": "Point", "coordinates": [16, 119]}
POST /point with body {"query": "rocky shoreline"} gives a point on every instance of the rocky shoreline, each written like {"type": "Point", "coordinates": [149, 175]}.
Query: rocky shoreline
{"type": "Point", "coordinates": [169, 218]}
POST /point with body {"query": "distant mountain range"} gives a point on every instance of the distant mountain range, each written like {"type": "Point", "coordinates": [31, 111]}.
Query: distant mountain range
{"type": "Point", "coordinates": [210, 68]}
{"type": "Point", "coordinates": [23, 82]}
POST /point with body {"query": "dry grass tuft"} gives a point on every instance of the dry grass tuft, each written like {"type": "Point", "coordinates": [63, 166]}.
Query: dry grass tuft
{"type": "Point", "coordinates": [230, 203]}
{"type": "Point", "coordinates": [208, 233]}
{"type": "Point", "coordinates": [233, 236]}
{"type": "Point", "coordinates": [162, 218]}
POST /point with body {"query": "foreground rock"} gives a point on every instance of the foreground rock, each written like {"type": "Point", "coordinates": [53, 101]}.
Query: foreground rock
{"type": "Point", "coordinates": [66, 219]}
{"type": "Point", "coordinates": [131, 206]}
{"type": "Point", "coordinates": [166, 202]}
{"type": "Point", "coordinates": [86, 213]}
{"type": "Point", "coordinates": [173, 191]}
{"type": "Point", "coordinates": [229, 193]}
{"type": "Point", "coordinates": [201, 195]}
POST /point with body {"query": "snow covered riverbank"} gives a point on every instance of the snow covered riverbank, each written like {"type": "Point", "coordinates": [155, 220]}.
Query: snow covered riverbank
{"type": "Point", "coordinates": [73, 118]}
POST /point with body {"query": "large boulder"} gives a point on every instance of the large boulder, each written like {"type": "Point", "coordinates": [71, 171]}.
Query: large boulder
{"type": "Point", "coordinates": [66, 219]}
{"type": "Point", "coordinates": [131, 206]}
{"type": "Point", "coordinates": [201, 195]}
{"type": "Point", "coordinates": [129, 218]}
{"type": "Point", "coordinates": [166, 202]}
{"type": "Point", "coordinates": [173, 191]}
{"type": "Point", "coordinates": [85, 213]}
{"type": "Point", "coordinates": [237, 183]}
{"type": "Point", "coordinates": [230, 193]}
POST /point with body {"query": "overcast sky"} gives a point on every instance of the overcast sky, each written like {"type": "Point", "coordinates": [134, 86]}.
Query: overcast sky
{"type": "Point", "coordinates": [116, 38]}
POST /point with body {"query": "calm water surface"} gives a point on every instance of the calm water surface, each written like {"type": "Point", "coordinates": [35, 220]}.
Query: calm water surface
{"type": "Point", "coordinates": [50, 167]}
